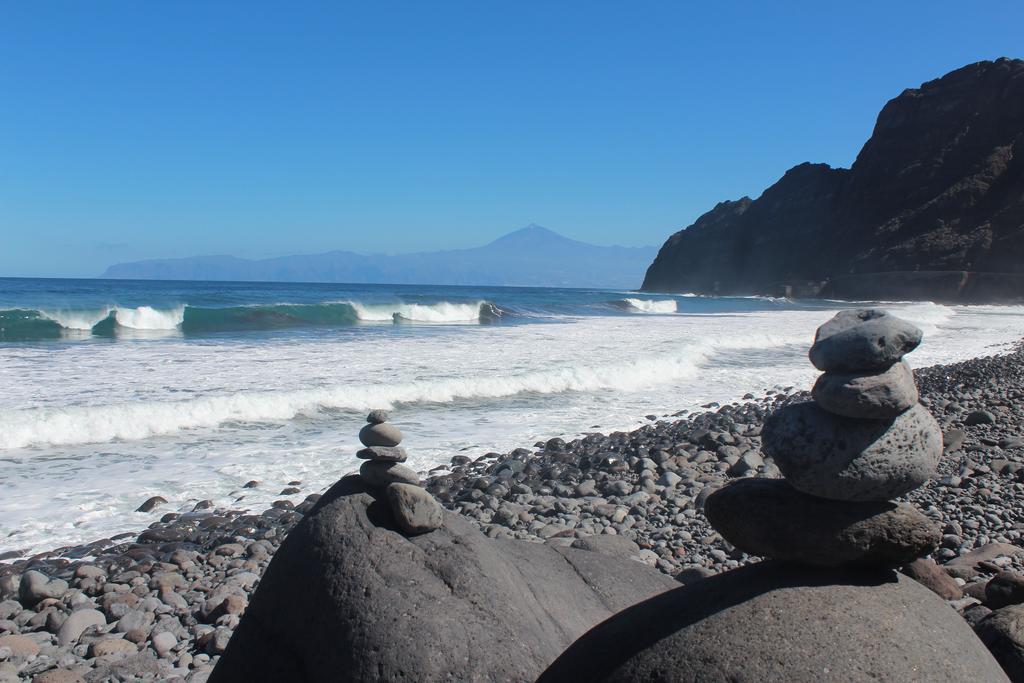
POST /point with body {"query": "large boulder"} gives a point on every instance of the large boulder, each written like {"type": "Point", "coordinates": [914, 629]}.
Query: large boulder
{"type": "Point", "coordinates": [782, 622]}
{"type": "Point", "coordinates": [846, 459]}
{"type": "Point", "coordinates": [348, 597]}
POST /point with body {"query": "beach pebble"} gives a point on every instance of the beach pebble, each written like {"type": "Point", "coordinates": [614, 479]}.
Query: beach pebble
{"type": "Point", "coordinates": [414, 509]}
{"type": "Point", "coordinates": [163, 642]}
{"type": "Point", "coordinates": [863, 339]}
{"type": "Point", "coordinates": [1005, 588]}
{"type": "Point", "coordinates": [1003, 633]}
{"type": "Point", "coordinates": [151, 504]}
{"type": "Point", "coordinates": [878, 395]}
{"type": "Point", "coordinates": [846, 459]}
{"type": "Point", "coordinates": [377, 417]}
{"type": "Point", "coordinates": [931, 575]}
{"type": "Point", "coordinates": [77, 622]}
{"type": "Point", "coordinates": [36, 586]}
{"type": "Point", "coordinates": [382, 434]}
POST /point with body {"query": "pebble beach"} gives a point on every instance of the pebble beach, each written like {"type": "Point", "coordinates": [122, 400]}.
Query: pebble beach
{"type": "Point", "coordinates": [162, 604]}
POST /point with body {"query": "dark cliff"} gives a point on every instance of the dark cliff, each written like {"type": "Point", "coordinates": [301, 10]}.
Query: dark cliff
{"type": "Point", "coordinates": [932, 208]}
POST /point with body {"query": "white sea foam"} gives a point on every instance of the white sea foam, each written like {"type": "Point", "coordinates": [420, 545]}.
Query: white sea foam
{"type": "Point", "coordinates": [442, 312]}
{"type": "Point", "coordinates": [149, 318]}
{"type": "Point", "coordinates": [652, 305]}
{"type": "Point", "coordinates": [78, 320]}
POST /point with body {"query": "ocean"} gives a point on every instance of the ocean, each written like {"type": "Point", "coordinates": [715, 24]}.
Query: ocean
{"type": "Point", "coordinates": [115, 391]}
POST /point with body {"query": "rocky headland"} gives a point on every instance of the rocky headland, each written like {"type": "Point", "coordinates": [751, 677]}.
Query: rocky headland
{"type": "Point", "coordinates": [373, 580]}
{"type": "Point", "coordinates": [931, 209]}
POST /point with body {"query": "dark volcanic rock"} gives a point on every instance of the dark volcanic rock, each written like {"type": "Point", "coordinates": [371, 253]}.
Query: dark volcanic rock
{"type": "Point", "coordinates": [880, 395]}
{"type": "Point", "coordinates": [846, 459]}
{"type": "Point", "coordinates": [348, 598]}
{"type": "Point", "coordinates": [861, 340]}
{"type": "Point", "coordinates": [769, 518]}
{"type": "Point", "coordinates": [778, 622]}
{"type": "Point", "coordinates": [1003, 634]}
{"type": "Point", "coordinates": [931, 209]}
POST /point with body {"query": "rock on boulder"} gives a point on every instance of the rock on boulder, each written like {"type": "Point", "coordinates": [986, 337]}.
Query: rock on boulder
{"type": "Point", "coordinates": [782, 622]}
{"type": "Point", "coordinates": [769, 518]}
{"type": "Point", "coordinates": [873, 395]}
{"type": "Point", "coordinates": [846, 459]}
{"type": "Point", "coordinates": [348, 597]}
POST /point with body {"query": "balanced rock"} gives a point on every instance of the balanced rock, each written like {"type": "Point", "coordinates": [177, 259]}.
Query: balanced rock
{"type": "Point", "coordinates": [383, 453]}
{"type": "Point", "coordinates": [381, 434]}
{"type": "Point", "coordinates": [776, 621]}
{"type": "Point", "coordinates": [863, 339]}
{"type": "Point", "coordinates": [348, 597]}
{"type": "Point", "coordinates": [380, 473]}
{"type": "Point", "coordinates": [769, 518]}
{"type": "Point", "coordinates": [414, 508]}
{"type": "Point", "coordinates": [847, 459]}
{"type": "Point", "coordinates": [871, 395]}
{"type": "Point", "coordinates": [377, 417]}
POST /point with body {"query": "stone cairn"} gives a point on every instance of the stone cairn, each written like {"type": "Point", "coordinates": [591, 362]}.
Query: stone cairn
{"type": "Point", "coordinates": [862, 441]}
{"type": "Point", "coordinates": [414, 509]}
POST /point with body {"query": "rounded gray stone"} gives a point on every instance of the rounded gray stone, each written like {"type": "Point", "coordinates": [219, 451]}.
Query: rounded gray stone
{"type": "Point", "coordinates": [414, 509]}
{"type": "Point", "coordinates": [1003, 633]}
{"type": "Point", "coordinates": [380, 474]}
{"type": "Point", "coordinates": [77, 622]}
{"type": "Point", "coordinates": [769, 518]}
{"type": "Point", "coordinates": [383, 453]}
{"type": "Point", "coordinates": [847, 459]}
{"type": "Point", "coordinates": [871, 395]}
{"type": "Point", "coordinates": [775, 621]}
{"type": "Point", "coordinates": [377, 417]}
{"type": "Point", "coordinates": [383, 434]}
{"type": "Point", "coordinates": [863, 339]}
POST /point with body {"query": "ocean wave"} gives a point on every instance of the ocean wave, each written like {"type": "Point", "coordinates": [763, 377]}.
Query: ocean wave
{"type": "Point", "coordinates": [650, 305]}
{"type": "Point", "coordinates": [30, 324]}
{"type": "Point", "coordinates": [140, 420]}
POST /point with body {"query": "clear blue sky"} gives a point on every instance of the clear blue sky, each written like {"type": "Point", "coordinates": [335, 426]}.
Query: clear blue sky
{"type": "Point", "coordinates": [139, 129]}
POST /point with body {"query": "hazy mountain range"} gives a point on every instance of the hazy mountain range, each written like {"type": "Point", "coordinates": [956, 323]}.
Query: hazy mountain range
{"type": "Point", "coordinates": [531, 256]}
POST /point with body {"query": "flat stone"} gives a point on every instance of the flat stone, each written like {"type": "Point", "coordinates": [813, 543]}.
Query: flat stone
{"type": "Point", "coordinates": [59, 676]}
{"type": "Point", "coordinates": [383, 453]}
{"type": "Point", "coordinates": [847, 459]}
{"type": "Point", "coordinates": [19, 645]}
{"type": "Point", "coordinates": [863, 339]}
{"type": "Point", "coordinates": [769, 518]}
{"type": "Point", "coordinates": [377, 417]}
{"type": "Point", "coordinates": [1002, 632]}
{"type": "Point", "coordinates": [415, 510]}
{"type": "Point", "coordinates": [969, 564]}
{"type": "Point", "coordinates": [875, 395]}
{"type": "Point", "coordinates": [379, 473]}
{"type": "Point", "coordinates": [382, 434]}
{"type": "Point", "coordinates": [112, 646]}
{"type": "Point", "coordinates": [774, 621]}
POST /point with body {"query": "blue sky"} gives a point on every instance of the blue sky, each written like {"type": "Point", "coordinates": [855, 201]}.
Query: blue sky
{"type": "Point", "coordinates": [137, 130]}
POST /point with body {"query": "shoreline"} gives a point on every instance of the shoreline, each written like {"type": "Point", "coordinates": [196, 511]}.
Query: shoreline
{"type": "Point", "coordinates": [188, 575]}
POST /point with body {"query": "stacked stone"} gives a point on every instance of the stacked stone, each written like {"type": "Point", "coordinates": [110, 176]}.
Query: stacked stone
{"type": "Point", "coordinates": [862, 441]}
{"type": "Point", "coordinates": [414, 509]}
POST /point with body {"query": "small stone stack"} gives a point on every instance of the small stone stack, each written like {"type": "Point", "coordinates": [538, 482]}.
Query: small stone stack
{"type": "Point", "coordinates": [862, 441]}
{"type": "Point", "coordinates": [414, 509]}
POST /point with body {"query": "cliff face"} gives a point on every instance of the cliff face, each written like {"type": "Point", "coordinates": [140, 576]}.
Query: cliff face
{"type": "Point", "coordinates": [937, 191]}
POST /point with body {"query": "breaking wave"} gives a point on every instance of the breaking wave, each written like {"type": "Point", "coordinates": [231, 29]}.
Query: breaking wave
{"type": "Point", "coordinates": [649, 305]}
{"type": "Point", "coordinates": [29, 324]}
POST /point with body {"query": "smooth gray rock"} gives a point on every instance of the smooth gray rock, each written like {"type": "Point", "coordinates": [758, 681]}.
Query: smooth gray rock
{"type": "Point", "coordinates": [36, 586]}
{"type": "Point", "coordinates": [877, 395]}
{"type": "Point", "coordinates": [847, 459]}
{"type": "Point", "coordinates": [1005, 588]}
{"type": "Point", "coordinates": [783, 622]}
{"type": "Point", "coordinates": [1002, 632]}
{"type": "Point", "coordinates": [151, 504]}
{"type": "Point", "coordinates": [415, 510]}
{"type": "Point", "coordinates": [862, 339]}
{"type": "Point", "coordinates": [377, 473]}
{"type": "Point", "coordinates": [77, 622]}
{"type": "Point", "coordinates": [383, 453]}
{"type": "Point", "coordinates": [377, 417]}
{"type": "Point", "coordinates": [382, 434]}
{"type": "Point", "coordinates": [769, 518]}
{"type": "Point", "coordinates": [348, 597]}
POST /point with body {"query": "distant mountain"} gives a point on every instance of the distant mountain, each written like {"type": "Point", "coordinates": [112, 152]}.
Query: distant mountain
{"type": "Point", "coordinates": [532, 256]}
{"type": "Point", "coordinates": [932, 208]}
